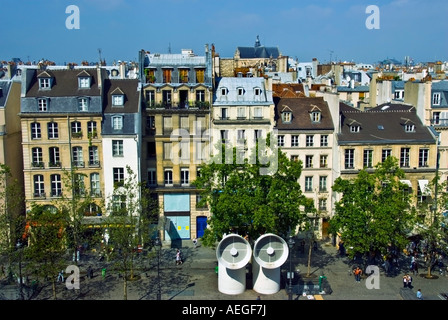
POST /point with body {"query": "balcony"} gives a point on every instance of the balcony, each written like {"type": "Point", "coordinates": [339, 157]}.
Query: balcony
{"type": "Point", "coordinates": [96, 193]}
{"type": "Point", "coordinates": [37, 165]}
{"type": "Point", "coordinates": [39, 195]}
{"type": "Point", "coordinates": [56, 164]}
{"type": "Point", "coordinates": [56, 194]}
{"type": "Point", "coordinates": [77, 135]}
{"type": "Point", "coordinates": [78, 164]}
{"type": "Point", "coordinates": [94, 163]}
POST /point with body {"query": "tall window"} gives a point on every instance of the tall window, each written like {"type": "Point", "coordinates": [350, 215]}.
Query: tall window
{"type": "Point", "coordinates": [184, 177]}
{"type": "Point", "coordinates": [436, 98]}
{"type": "Point", "coordinates": [117, 123]}
{"type": "Point", "coordinates": [315, 116]}
{"type": "Point", "coordinates": [258, 113]}
{"type": "Point", "coordinates": [94, 159]}
{"type": "Point", "coordinates": [91, 130]}
{"type": "Point", "coordinates": [167, 75]}
{"type": "Point", "coordinates": [152, 177]}
{"type": "Point", "coordinates": [200, 95]}
{"type": "Point", "coordinates": [35, 131]}
{"type": "Point", "coordinates": [349, 158]}
{"type": "Point", "coordinates": [294, 141]}
{"type": "Point", "coordinates": [150, 96]}
{"type": "Point", "coordinates": [224, 114]}
{"type": "Point", "coordinates": [436, 118]}
{"type": "Point", "coordinates": [53, 131]}
{"type": "Point", "coordinates": [286, 117]}
{"type": "Point", "coordinates": [423, 157]}
{"type": "Point", "coordinates": [167, 151]}
{"type": "Point", "coordinates": [39, 186]}
{"type": "Point", "coordinates": [118, 174]}
{"type": "Point", "coordinates": [55, 159]}
{"type": "Point", "coordinates": [308, 161]}
{"type": "Point", "coordinates": [368, 159]}
{"type": "Point", "coordinates": [281, 140]}
{"type": "Point", "coordinates": [44, 83]}
{"type": "Point", "coordinates": [56, 185]}
{"type": "Point", "coordinates": [117, 100]}
{"type": "Point", "coordinates": [323, 204]}
{"type": "Point", "coordinates": [42, 104]}
{"type": "Point", "coordinates": [167, 125]}
{"type": "Point", "coordinates": [323, 161]}
{"type": "Point", "coordinates": [84, 82]}
{"type": "Point", "coordinates": [200, 75]}
{"type": "Point", "coordinates": [168, 176]}
{"type": "Point", "coordinates": [78, 160]}
{"type": "Point", "coordinates": [308, 183]}
{"type": "Point", "coordinates": [385, 154]}
{"type": "Point", "coordinates": [117, 148]}
{"type": "Point", "coordinates": [83, 104]}
{"type": "Point", "coordinates": [76, 129]}
{"type": "Point", "coordinates": [324, 140]}
{"type": "Point", "coordinates": [183, 75]}
{"type": "Point", "coordinates": [95, 188]}
{"type": "Point", "coordinates": [405, 158]}
{"type": "Point", "coordinates": [322, 183]}
{"type": "Point", "coordinates": [309, 140]}
{"type": "Point", "coordinates": [37, 156]}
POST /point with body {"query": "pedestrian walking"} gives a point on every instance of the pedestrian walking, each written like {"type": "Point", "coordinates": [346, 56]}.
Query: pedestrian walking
{"type": "Point", "coordinates": [419, 294]}
{"type": "Point", "coordinates": [195, 242]}
{"type": "Point", "coordinates": [178, 257]}
{"type": "Point", "coordinates": [405, 281]}
{"type": "Point", "coordinates": [61, 276]}
{"type": "Point", "coordinates": [409, 281]}
{"type": "Point", "coordinates": [89, 272]}
{"type": "Point", "coordinates": [357, 272]}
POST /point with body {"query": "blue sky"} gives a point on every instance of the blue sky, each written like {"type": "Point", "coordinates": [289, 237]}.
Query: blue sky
{"type": "Point", "coordinates": [322, 29]}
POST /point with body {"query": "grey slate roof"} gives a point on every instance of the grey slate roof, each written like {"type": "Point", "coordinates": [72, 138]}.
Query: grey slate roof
{"type": "Point", "coordinates": [382, 125]}
{"type": "Point", "coordinates": [301, 109]}
{"type": "Point", "coordinates": [4, 91]}
{"type": "Point", "coordinates": [258, 52]}
{"type": "Point", "coordinates": [232, 84]}
{"type": "Point", "coordinates": [442, 88]}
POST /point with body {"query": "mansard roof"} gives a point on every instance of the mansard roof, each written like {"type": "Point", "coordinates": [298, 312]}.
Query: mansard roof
{"type": "Point", "coordinates": [126, 87]}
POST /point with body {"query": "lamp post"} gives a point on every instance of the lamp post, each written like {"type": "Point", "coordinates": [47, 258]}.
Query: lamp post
{"type": "Point", "coordinates": [290, 245]}
{"type": "Point", "coordinates": [158, 245]}
{"type": "Point", "coordinates": [19, 249]}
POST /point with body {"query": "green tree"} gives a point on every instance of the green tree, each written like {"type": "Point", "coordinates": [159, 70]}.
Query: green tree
{"type": "Point", "coordinates": [11, 217]}
{"type": "Point", "coordinates": [45, 253]}
{"type": "Point", "coordinates": [251, 196]}
{"type": "Point", "coordinates": [132, 210]}
{"type": "Point", "coordinates": [374, 211]}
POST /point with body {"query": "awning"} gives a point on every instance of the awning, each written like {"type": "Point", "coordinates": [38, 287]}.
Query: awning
{"type": "Point", "coordinates": [423, 184]}
{"type": "Point", "coordinates": [407, 182]}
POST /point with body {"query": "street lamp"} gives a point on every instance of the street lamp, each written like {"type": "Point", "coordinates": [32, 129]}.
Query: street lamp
{"type": "Point", "coordinates": [290, 245]}
{"type": "Point", "coordinates": [158, 245]}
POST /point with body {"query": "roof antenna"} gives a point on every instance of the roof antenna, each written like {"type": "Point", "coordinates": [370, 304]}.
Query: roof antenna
{"type": "Point", "coordinates": [169, 48]}
{"type": "Point", "coordinates": [99, 52]}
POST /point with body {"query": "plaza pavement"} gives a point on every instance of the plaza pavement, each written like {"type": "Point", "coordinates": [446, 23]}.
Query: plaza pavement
{"type": "Point", "coordinates": [196, 279]}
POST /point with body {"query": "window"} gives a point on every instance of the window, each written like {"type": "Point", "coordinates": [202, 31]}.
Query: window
{"type": "Point", "coordinates": [184, 177]}
{"type": "Point", "coordinates": [183, 75]}
{"type": "Point", "coordinates": [295, 158]}
{"type": "Point", "coordinates": [258, 134]}
{"type": "Point", "coordinates": [385, 154]}
{"type": "Point", "coordinates": [409, 128]}
{"type": "Point", "coordinates": [200, 125]}
{"type": "Point", "coordinates": [39, 186]}
{"type": "Point", "coordinates": [324, 140]}
{"type": "Point", "coordinates": [44, 83]}
{"type": "Point", "coordinates": [322, 183]}
{"type": "Point", "coordinates": [42, 104]}
{"type": "Point", "coordinates": [53, 131]}
{"type": "Point", "coordinates": [423, 157]}
{"type": "Point", "coordinates": [84, 82]}
{"type": "Point", "coordinates": [167, 125]}
{"type": "Point", "coordinates": [308, 161]}
{"type": "Point", "coordinates": [78, 157]}
{"type": "Point", "coordinates": [349, 158]}
{"type": "Point", "coordinates": [224, 114]}
{"type": "Point", "coordinates": [35, 131]}
{"type": "Point", "coordinates": [399, 94]}
{"type": "Point", "coordinates": [152, 177]}
{"type": "Point", "coordinates": [436, 98]}
{"type": "Point", "coordinates": [167, 151]}
{"type": "Point", "coordinates": [294, 141]}
{"type": "Point", "coordinates": [241, 136]}
{"type": "Point", "coordinates": [323, 204]}
{"type": "Point", "coordinates": [200, 95]}
{"type": "Point", "coordinates": [315, 116]}
{"type": "Point", "coordinates": [224, 135]}
{"type": "Point", "coordinates": [117, 100]}
{"type": "Point", "coordinates": [309, 141]}
{"type": "Point", "coordinates": [281, 141]}
{"type": "Point", "coordinates": [185, 123]}
{"type": "Point", "coordinates": [117, 123]}
{"type": "Point", "coordinates": [168, 176]}
{"type": "Point", "coordinates": [55, 160]}
{"type": "Point", "coordinates": [405, 158]}
{"type": "Point", "coordinates": [56, 185]}
{"type": "Point", "coordinates": [117, 148]}
{"type": "Point", "coordinates": [257, 92]}
{"type": "Point", "coordinates": [436, 118]}
{"type": "Point", "coordinates": [258, 113]}
{"type": "Point", "coordinates": [76, 129]}
{"type": "Point", "coordinates": [150, 96]}
{"type": "Point", "coordinates": [201, 150]}
{"type": "Point", "coordinates": [83, 104]}
{"type": "Point", "coordinates": [184, 151]}
{"type": "Point", "coordinates": [368, 159]}
{"type": "Point", "coordinates": [240, 91]}
{"type": "Point", "coordinates": [119, 204]}
{"type": "Point", "coordinates": [323, 161]}
{"type": "Point", "coordinates": [355, 129]}
{"type": "Point", "coordinates": [200, 75]}
{"type": "Point", "coordinates": [118, 174]}
{"type": "Point", "coordinates": [223, 91]}
{"type": "Point", "coordinates": [95, 188]}
{"type": "Point", "coordinates": [308, 184]}
{"type": "Point", "coordinates": [37, 159]}
{"type": "Point", "coordinates": [241, 113]}
{"type": "Point", "coordinates": [286, 117]}
{"type": "Point", "coordinates": [167, 75]}
{"type": "Point", "coordinates": [94, 160]}
{"type": "Point", "coordinates": [91, 130]}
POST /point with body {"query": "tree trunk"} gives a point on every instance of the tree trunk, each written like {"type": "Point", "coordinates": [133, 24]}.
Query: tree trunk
{"type": "Point", "coordinates": [53, 284]}
{"type": "Point", "coordinates": [309, 256]}
{"type": "Point", "coordinates": [125, 287]}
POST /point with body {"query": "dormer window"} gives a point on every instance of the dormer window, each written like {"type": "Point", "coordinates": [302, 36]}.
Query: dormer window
{"type": "Point", "coordinates": [409, 128]}
{"type": "Point", "coordinates": [287, 117]}
{"type": "Point", "coordinates": [44, 83]}
{"type": "Point", "coordinates": [83, 104]}
{"type": "Point", "coordinates": [240, 91]}
{"type": "Point", "coordinates": [84, 82]}
{"type": "Point", "coordinates": [355, 128]}
{"type": "Point", "coordinates": [118, 100]}
{"type": "Point", "coordinates": [224, 91]}
{"type": "Point", "coordinates": [257, 92]}
{"type": "Point", "coordinates": [436, 98]}
{"type": "Point", "coordinates": [315, 116]}
{"type": "Point", "coordinates": [42, 104]}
